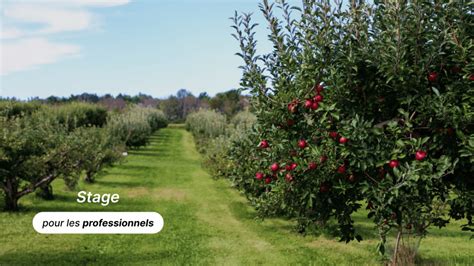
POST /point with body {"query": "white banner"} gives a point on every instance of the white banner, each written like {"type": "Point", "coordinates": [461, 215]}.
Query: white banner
{"type": "Point", "coordinates": [98, 222]}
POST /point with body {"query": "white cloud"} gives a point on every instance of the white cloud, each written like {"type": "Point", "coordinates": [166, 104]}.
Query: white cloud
{"type": "Point", "coordinates": [50, 19]}
{"type": "Point", "coordinates": [26, 26]}
{"type": "Point", "coordinates": [28, 53]}
{"type": "Point", "coordinates": [98, 3]}
{"type": "Point", "coordinates": [10, 33]}
{"type": "Point", "coordinates": [76, 3]}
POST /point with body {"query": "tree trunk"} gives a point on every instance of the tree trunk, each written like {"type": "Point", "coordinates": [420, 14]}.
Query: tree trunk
{"type": "Point", "coordinates": [11, 203]}
{"type": "Point", "coordinates": [397, 244]}
{"type": "Point", "coordinates": [11, 197]}
{"type": "Point", "coordinates": [46, 192]}
{"type": "Point", "coordinates": [89, 177]}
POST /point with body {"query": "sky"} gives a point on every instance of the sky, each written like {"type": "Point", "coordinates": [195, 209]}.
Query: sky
{"type": "Point", "coordinates": [156, 47]}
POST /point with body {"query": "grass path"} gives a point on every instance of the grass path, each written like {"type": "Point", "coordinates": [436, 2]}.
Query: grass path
{"type": "Point", "coordinates": [206, 222]}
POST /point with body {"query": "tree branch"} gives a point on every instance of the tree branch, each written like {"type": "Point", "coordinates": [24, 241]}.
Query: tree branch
{"type": "Point", "coordinates": [384, 123]}
{"type": "Point", "coordinates": [375, 181]}
{"type": "Point", "coordinates": [36, 185]}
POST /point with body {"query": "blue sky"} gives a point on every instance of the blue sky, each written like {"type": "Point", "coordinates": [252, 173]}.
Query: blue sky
{"type": "Point", "coordinates": [59, 47]}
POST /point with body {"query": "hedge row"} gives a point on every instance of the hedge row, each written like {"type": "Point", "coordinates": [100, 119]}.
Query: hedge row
{"type": "Point", "coordinates": [135, 126]}
{"type": "Point", "coordinates": [214, 137]}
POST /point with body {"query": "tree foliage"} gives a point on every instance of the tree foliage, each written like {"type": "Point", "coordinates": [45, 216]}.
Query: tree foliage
{"type": "Point", "coordinates": [369, 102]}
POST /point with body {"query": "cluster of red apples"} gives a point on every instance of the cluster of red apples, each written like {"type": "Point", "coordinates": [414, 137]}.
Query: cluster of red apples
{"type": "Point", "coordinates": [289, 168]}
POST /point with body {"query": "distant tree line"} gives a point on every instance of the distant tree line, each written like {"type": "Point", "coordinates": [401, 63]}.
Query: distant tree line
{"type": "Point", "coordinates": [176, 107]}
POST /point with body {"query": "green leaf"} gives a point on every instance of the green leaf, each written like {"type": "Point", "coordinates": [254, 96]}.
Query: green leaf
{"type": "Point", "coordinates": [400, 143]}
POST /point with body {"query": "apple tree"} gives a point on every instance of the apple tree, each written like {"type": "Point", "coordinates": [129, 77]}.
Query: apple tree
{"type": "Point", "coordinates": [34, 151]}
{"type": "Point", "coordinates": [362, 103]}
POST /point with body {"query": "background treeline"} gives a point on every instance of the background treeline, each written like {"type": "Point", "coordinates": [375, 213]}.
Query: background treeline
{"type": "Point", "coordinates": [40, 143]}
{"type": "Point", "coordinates": [175, 107]}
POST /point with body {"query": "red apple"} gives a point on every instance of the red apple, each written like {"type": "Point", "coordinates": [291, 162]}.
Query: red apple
{"type": "Point", "coordinates": [288, 167]}
{"type": "Point", "coordinates": [318, 98]}
{"type": "Point", "coordinates": [292, 107]}
{"type": "Point", "coordinates": [259, 176]}
{"type": "Point", "coordinates": [314, 106]}
{"type": "Point", "coordinates": [290, 122]}
{"type": "Point", "coordinates": [319, 88]}
{"type": "Point", "coordinates": [393, 163]}
{"type": "Point", "coordinates": [289, 177]}
{"type": "Point", "coordinates": [308, 103]}
{"type": "Point", "coordinates": [264, 144]}
{"type": "Point", "coordinates": [302, 143]}
{"type": "Point", "coordinates": [293, 166]}
{"type": "Point", "coordinates": [333, 134]}
{"type": "Point", "coordinates": [341, 169]}
{"type": "Point", "coordinates": [274, 167]}
{"type": "Point", "coordinates": [420, 155]}
{"type": "Point", "coordinates": [312, 166]}
{"type": "Point", "coordinates": [343, 140]}
{"type": "Point", "coordinates": [433, 76]}
{"type": "Point", "coordinates": [268, 180]}
{"type": "Point", "coordinates": [471, 77]}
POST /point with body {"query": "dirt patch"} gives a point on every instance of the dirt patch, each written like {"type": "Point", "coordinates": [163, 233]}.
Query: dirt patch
{"type": "Point", "coordinates": [137, 192]}
{"type": "Point", "coordinates": [158, 193]}
{"type": "Point", "coordinates": [169, 194]}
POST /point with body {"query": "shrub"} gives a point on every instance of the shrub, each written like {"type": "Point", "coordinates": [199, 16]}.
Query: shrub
{"type": "Point", "coordinates": [100, 148]}
{"type": "Point", "coordinates": [219, 156]}
{"type": "Point", "coordinates": [205, 125]}
{"type": "Point", "coordinates": [216, 140]}
{"type": "Point", "coordinates": [373, 104]}
{"type": "Point", "coordinates": [243, 120]}
{"type": "Point", "coordinates": [135, 126]}
{"type": "Point", "coordinates": [156, 118]}
{"type": "Point", "coordinates": [240, 157]}
{"type": "Point", "coordinates": [78, 114]}
{"type": "Point", "coordinates": [10, 109]}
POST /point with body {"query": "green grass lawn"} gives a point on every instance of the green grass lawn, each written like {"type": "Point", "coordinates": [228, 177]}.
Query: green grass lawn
{"type": "Point", "coordinates": [206, 222]}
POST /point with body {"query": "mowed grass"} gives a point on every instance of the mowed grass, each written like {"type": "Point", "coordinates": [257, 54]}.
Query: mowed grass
{"type": "Point", "coordinates": [206, 222]}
